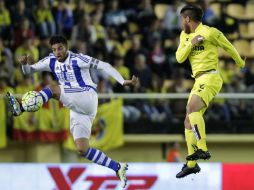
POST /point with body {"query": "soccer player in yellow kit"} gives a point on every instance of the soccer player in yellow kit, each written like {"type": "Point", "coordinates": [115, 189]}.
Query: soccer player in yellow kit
{"type": "Point", "coordinates": [199, 43]}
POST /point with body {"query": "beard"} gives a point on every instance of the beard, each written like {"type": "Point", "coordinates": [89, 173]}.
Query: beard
{"type": "Point", "coordinates": [63, 57]}
{"type": "Point", "coordinates": [186, 28]}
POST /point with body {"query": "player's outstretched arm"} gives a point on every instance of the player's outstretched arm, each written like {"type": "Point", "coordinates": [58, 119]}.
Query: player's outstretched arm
{"type": "Point", "coordinates": [133, 82]}
{"type": "Point", "coordinates": [220, 40]}
{"type": "Point", "coordinates": [29, 65]}
{"type": "Point", "coordinates": [110, 70]}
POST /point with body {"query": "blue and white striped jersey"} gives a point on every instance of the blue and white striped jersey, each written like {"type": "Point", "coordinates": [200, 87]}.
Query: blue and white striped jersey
{"type": "Point", "coordinates": [74, 71]}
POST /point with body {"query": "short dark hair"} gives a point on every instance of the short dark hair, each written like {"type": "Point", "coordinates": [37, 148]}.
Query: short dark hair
{"type": "Point", "coordinates": [193, 11]}
{"type": "Point", "coordinates": [58, 39]}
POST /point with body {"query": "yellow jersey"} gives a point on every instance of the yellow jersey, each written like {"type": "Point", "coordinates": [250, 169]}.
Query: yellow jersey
{"type": "Point", "coordinates": [204, 56]}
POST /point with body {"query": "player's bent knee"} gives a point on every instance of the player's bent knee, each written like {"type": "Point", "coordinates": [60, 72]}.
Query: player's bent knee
{"type": "Point", "coordinates": [81, 153]}
{"type": "Point", "coordinates": [191, 108]}
{"type": "Point", "coordinates": [187, 124]}
{"type": "Point", "coordinates": [82, 150]}
{"type": "Point", "coordinates": [82, 146]}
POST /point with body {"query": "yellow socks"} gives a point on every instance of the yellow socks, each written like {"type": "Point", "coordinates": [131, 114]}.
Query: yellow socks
{"type": "Point", "coordinates": [198, 127]}
{"type": "Point", "coordinates": [190, 140]}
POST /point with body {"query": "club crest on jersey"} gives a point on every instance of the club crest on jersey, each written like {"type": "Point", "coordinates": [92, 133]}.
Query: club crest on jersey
{"type": "Point", "coordinates": [57, 68]}
{"type": "Point", "coordinates": [68, 67]}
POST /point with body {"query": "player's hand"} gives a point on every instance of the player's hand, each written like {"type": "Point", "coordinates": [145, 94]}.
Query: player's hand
{"type": "Point", "coordinates": [242, 65]}
{"type": "Point", "coordinates": [197, 39]}
{"type": "Point", "coordinates": [24, 59]}
{"type": "Point", "coordinates": [30, 59]}
{"type": "Point", "coordinates": [134, 81]}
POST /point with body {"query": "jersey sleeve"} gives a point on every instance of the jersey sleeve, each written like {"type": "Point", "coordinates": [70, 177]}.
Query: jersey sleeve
{"type": "Point", "coordinates": [42, 65]}
{"type": "Point", "coordinates": [85, 61]}
{"type": "Point", "coordinates": [111, 71]}
{"type": "Point", "coordinates": [183, 50]}
{"type": "Point", "coordinates": [220, 40]}
{"type": "Point", "coordinates": [92, 63]}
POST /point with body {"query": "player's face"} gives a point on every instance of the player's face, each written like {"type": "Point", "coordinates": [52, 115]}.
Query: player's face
{"type": "Point", "coordinates": [60, 51]}
{"type": "Point", "coordinates": [185, 24]}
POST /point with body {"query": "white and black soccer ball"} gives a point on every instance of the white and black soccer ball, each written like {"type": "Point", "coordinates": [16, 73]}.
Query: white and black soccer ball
{"type": "Point", "coordinates": [31, 101]}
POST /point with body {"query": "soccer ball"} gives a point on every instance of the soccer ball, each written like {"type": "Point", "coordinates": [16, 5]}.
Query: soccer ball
{"type": "Point", "coordinates": [31, 101]}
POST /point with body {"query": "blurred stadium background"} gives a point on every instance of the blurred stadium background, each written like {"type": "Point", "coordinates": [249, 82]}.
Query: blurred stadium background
{"type": "Point", "coordinates": [137, 37]}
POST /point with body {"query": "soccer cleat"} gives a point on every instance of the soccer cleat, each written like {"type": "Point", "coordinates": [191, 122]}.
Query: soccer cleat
{"type": "Point", "coordinates": [199, 154]}
{"type": "Point", "coordinates": [121, 173]}
{"type": "Point", "coordinates": [13, 104]}
{"type": "Point", "coordinates": [187, 171]}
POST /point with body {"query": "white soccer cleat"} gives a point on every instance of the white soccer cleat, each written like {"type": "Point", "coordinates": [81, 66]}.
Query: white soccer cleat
{"type": "Point", "coordinates": [121, 173]}
{"type": "Point", "coordinates": [14, 104]}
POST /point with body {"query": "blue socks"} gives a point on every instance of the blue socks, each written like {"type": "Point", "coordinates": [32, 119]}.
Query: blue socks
{"type": "Point", "coordinates": [46, 94]}
{"type": "Point", "coordinates": [100, 158]}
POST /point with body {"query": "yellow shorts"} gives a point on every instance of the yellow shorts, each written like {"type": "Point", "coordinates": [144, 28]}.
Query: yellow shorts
{"type": "Point", "coordinates": [207, 86]}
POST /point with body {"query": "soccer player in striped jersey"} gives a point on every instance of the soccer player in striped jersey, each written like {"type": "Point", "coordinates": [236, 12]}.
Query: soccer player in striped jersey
{"type": "Point", "coordinates": [199, 43]}
{"type": "Point", "coordinates": [77, 92]}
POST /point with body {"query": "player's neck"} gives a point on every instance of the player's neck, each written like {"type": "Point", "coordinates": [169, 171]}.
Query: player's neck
{"type": "Point", "coordinates": [194, 26]}
{"type": "Point", "coordinates": [63, 60]}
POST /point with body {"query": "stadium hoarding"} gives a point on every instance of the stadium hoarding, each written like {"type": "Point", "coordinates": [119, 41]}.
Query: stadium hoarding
{"type": "Point", "coordinates": [238, 176]}
{"type": "Point", "coordinates": [152, 176]}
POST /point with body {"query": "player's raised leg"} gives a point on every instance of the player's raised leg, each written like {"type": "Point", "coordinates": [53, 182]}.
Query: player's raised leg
{"type": "Point", "coordinates": [80, 127]}
{"type": "Point", "coordinates": [52, 91]}
{"type": "Point", "coordinates": [98, 157]}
